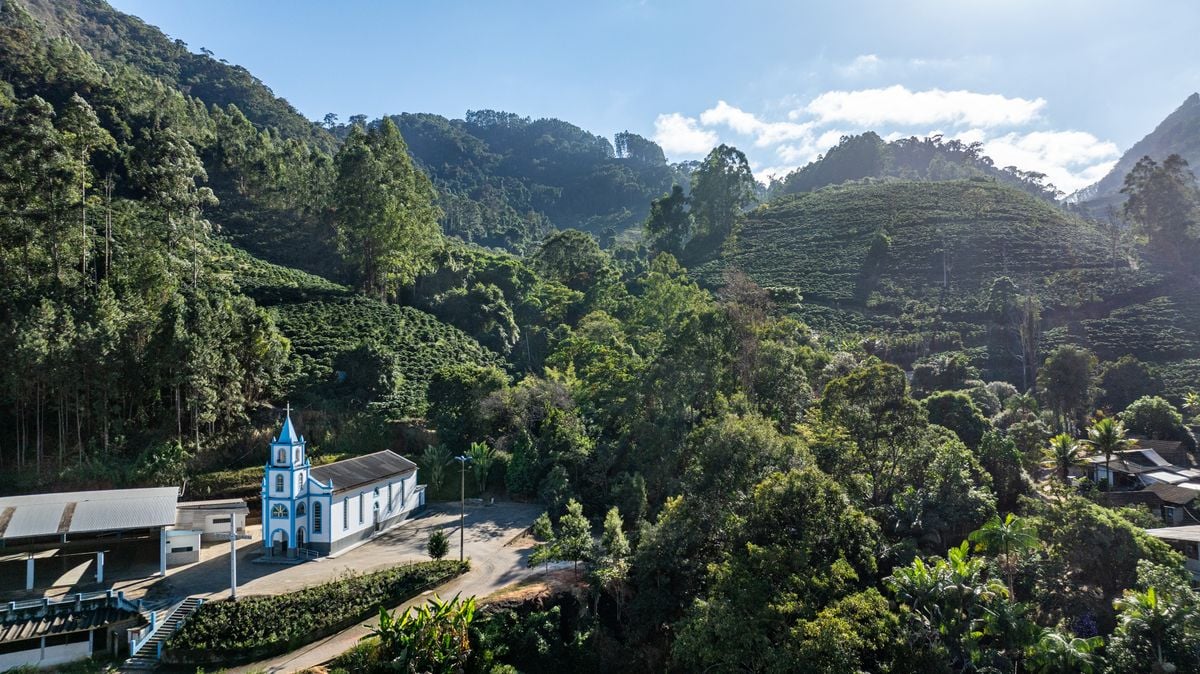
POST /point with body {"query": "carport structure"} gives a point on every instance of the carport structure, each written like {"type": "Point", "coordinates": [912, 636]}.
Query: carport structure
{"type": "Point", "coordinates": [84, 522]}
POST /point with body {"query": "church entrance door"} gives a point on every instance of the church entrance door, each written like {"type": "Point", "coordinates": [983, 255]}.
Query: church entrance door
{"type": "Point", "coordinates": [300, 537]}
{"type": "Point", "coordinates": [279, 543]}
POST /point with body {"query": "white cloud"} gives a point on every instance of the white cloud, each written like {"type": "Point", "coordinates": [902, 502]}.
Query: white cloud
{"type": "Point", "coordinates": [1070, 159]}
{"type": "Point", "coordinates": [764, 174]}
{"type": "Point", "coordinates": [897, 105]}
{"type": "Point", "coordinates": [765, 134]}
{"type": "Point", "coordinates": [863, 64]}
{"type": "Point", "coordinates": [677, 134]}
{"type": "Point", "coordinates": [797, 153]}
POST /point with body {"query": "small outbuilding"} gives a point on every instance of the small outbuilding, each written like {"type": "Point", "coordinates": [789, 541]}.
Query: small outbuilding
{"type": "Point", "coordinates": [213, 518]}
{"type": "Point", "coordinates": [1185, 540]}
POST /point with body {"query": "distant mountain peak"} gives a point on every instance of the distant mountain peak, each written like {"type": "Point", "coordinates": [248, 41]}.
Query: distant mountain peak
{"type": "Point", "coordinates": [1178, 133]}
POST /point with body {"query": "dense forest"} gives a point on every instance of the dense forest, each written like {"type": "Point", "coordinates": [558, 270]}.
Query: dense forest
{"type": "Point", "coordinates": [830, 425]}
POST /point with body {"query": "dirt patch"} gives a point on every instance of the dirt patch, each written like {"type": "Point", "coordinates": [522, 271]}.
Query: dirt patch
{"type": "Point", "coordinates": [538, 590]}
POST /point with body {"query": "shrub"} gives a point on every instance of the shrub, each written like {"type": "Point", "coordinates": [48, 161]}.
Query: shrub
{"type": "Point", "coordinates": [439, 544]}
{"type": "Point", "coordinates": [1153, 417]}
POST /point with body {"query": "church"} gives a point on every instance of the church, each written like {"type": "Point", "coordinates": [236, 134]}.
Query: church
{"type": "Point", "coordinates": [309, 511]}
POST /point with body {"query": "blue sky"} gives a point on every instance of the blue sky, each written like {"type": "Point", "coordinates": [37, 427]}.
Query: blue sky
{"type": "Point", "coordinates": [1060, 86]}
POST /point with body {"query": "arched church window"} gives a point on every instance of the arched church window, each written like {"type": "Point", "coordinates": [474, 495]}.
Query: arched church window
{"type": "Point", "coordinates": [279, 510]}
{"type": "Point", "coordinates": [316, 523]}
{"type": "Point", "coordinates": [300, 509]}
{"type": "Point", "coordinates": [279, 483]}
{"type": "Point", "coordinates": [297, 454]}
{"type": "Point", "coordinates": [281, 456]}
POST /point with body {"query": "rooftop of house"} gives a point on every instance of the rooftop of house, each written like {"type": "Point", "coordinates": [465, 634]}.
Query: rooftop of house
{"type": "Point", "coordinates": [1171, 451]}
{"type": "Point", "coordinates": [1189, 534]}
{"type": "Point", "coordinates": [1175, 494]}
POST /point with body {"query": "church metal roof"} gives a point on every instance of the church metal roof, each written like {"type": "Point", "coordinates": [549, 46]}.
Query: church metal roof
{"type": "Point", "coordinates": [86, 511]}
{"type": "Point", "coordinates": [350, 473]}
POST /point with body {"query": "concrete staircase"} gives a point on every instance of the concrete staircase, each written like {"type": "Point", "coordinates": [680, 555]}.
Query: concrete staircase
{"type": "Point", "coordinates": [146, 656]}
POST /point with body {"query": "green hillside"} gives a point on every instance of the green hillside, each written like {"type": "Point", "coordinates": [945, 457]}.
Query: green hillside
{"type": "Point", "coordinates": [321, 331]}
{"type": "Point", "coordinates": [112, 37]}
{"type": "Point", "coordinates": [915, 265]}
{"type": "Point", "coordinates": [325, 321]}
{"type": "Point", "coordinates": [506, 181]}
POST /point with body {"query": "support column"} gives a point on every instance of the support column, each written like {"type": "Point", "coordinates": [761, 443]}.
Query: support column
{"type": "Point", "coordinates": [100, 566]}
{"type": "Point", "coordinates": [162, 551]}
{"type": "Point", "coordinates": [233, 557]}
{"type": "Point", "coordinates": [29, 572]}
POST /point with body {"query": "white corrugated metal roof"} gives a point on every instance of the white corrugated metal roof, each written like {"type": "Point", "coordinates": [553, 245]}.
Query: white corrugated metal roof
{"type": "Point", "coordinates": [1188, 533]}
{"type": "Point", "coordinates": [1153, 457]}
{"type": "Point", "coordinates": [86, 511]}
{"type": "Point", "coordinates": [1164, 476]}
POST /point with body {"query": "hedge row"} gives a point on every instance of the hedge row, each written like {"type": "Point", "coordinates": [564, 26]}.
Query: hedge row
{"type": "Point", "coordinates": [263, 626]}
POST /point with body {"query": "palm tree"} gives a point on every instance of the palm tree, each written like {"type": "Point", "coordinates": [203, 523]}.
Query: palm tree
{"type": "Point", "coordinates": [482, 457]}
{"type": "Point", "coordinates": [1059, 653]}
{"type": "Point", "coordinates": [1153, 614]}
{"type": "Point", "coordinates": [1062, 455]}
{"type": "Point", "coordinates": [1191, 403]}
{"type": "Point", "coordinates": [1107, 437]}
{"type": "Point", "coordinates": [1005, 538]}
{"type": "Point", "coordinates": [434, 461]}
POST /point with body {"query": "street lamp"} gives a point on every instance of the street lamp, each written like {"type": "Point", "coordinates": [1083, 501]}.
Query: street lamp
{"type": "Point", "coordinates": [463, 460]}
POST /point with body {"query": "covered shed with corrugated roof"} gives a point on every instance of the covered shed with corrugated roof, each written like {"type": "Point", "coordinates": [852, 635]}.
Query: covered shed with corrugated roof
{"type": "Point", "coordinates": [72, 527]}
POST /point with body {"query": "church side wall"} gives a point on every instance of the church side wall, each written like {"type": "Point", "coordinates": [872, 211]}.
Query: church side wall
{"type": "Point", "coordinates": [403, 502]}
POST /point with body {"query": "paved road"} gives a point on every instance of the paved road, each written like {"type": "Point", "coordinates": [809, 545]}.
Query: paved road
{"type": "Point", "coordinates": [497, 560]}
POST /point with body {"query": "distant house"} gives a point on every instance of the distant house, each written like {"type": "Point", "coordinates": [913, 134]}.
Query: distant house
{"type": "Point", "coordinates": [1159, 474]}
{"type": "Point", "coordinates": [1150, 462]}
{"type": "Point", "coordinates": [1180, 504]}
{"type": "Point", "coordinates": [1185, 540]}
{"type": "Point", "coordinates": [1177, 505]}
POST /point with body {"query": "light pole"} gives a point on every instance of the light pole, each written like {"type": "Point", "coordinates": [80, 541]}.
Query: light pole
{"type": "Point", "coordinates": [463, 460]}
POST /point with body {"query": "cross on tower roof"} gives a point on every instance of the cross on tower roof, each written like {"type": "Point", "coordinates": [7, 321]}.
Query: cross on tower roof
{"type": "Point", "coordinates": [287, 434]}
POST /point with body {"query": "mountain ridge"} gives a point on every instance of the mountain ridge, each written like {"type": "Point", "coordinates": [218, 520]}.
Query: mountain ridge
{"type": "Point", "coordinates": [1178, 133]}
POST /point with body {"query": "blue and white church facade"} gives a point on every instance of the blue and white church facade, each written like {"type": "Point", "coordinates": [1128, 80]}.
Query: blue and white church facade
{"type": "Point", "coordinates": [327, 508]}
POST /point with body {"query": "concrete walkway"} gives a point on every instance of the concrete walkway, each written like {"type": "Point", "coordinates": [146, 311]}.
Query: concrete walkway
{"type": "Point", "coordinates": [497, 560]}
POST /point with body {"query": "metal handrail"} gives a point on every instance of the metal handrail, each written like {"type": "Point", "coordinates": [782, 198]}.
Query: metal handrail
{"type": "Point", "coordinates": [139, 637]}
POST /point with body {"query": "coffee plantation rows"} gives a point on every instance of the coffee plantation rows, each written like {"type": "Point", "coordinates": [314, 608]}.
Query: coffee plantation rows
{"type": "Point", "coordinates": [322, 330]}
{"type": "Point", "coordinates": [911, 265]}
{"type": "Point", "coordinates": [271, 284]}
